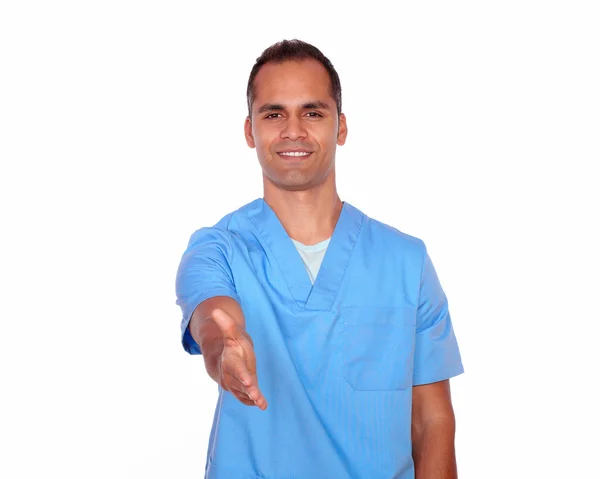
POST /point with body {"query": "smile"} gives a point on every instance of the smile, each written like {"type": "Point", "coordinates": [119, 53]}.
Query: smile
{"type": "Point", "coordinates": [294, 153]}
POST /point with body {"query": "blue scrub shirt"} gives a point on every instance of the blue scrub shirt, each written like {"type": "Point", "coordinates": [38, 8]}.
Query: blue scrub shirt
{"type": "Point", "coordinates": [336, 360]}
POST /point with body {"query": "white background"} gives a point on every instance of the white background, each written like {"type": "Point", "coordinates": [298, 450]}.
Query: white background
{"type": "Point", "coordinates": [472, 125]}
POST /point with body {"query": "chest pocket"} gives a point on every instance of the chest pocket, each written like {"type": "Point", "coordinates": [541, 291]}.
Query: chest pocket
{"type": "Point", "coordinates": [378, 347]}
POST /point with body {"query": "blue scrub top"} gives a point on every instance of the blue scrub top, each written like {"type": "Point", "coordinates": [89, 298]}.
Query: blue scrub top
{"type": "Point", "coordinates": [336, 360]}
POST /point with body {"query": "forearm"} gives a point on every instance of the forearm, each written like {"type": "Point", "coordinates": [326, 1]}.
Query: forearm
{"type": "Point", "coordinates": [206, 332]}
{"type": "Point", "coordinates": [433, 450]}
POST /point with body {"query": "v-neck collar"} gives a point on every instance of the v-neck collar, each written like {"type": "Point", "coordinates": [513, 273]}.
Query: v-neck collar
{"type": "Point", "coordinates": [307, 296]}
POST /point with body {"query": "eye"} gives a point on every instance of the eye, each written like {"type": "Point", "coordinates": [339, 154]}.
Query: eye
{"type": "Point", "coordinates": [314, 114]}
{"type": "Point", "coordinates": [272, 115]}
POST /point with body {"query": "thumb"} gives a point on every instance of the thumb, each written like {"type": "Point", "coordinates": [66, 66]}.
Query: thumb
{"type": "Point", "coordinates": [226, 324]}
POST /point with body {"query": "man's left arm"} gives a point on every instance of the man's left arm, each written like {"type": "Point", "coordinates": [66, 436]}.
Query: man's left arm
{"type": "Point", "coordinates": [436, 360]}
{"type": "Point", "coordinates": [433, 429]}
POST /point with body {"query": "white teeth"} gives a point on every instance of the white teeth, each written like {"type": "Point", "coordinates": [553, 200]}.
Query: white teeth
{"type": "Point", "coordinates": [294, 153]}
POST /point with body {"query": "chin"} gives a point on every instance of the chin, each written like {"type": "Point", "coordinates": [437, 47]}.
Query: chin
{"type": "Point", "coordinates": [292, 181]}
{"type": "Point", "coordinates": [295, 187]}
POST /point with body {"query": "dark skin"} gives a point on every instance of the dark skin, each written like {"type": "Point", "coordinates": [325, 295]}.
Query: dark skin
{"type": "Point", "coordinates": [295, 128]}
{"type": "Point", "coordinates": [219, 327]}
{"type": "Point", "coordinates": [432, 429]}
{"type": "Point", "coordinates": [293, 110]}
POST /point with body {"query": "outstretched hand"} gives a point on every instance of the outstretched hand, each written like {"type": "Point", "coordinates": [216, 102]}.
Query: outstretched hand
{"type": "Point", "coordinates": [237, 365]}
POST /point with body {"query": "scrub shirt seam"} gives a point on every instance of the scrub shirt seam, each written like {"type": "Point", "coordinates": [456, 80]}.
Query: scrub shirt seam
{"type": "Point", "coordinates": [358, 233]}
{"type": "Point", "coordinates": [231, 254]}
{"type": "Point", "coordinates": [232, 249]}
{"type": "Point", "coordinates": [421, 278]}
{"type": "Point", "coordinates": [308, 397]}
{"type": "Point", "coordinates": [446, 374]}
{"type": "Point", "coordinates": [268, 245]}
{"type": "Point", "coordinates": [211, 453]}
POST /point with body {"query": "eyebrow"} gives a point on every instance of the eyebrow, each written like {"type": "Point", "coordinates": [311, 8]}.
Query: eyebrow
{"type": "Point", "coordinates": [315, 105]}
{"type": "Point", "coordinates": [311, 105]}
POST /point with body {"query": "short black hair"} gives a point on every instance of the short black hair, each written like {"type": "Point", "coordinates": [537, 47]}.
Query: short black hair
{"type": "Point", "coordinates": [294, 50]}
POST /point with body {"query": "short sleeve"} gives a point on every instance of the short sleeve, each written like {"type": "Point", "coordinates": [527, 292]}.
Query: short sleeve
{"type": "Point", "coordinates": [437, 356]}
{"type": "Point", "coordinates": [204, 272]}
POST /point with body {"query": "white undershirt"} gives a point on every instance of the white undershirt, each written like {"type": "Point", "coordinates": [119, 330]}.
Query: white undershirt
{"type": "Point", "coordinates": [312, 256]}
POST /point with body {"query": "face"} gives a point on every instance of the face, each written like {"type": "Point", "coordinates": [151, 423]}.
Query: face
{"type": "Point", "coordinates": [294, 125]}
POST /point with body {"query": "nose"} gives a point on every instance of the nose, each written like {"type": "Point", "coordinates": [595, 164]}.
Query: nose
{"type": "Point", "coordinates": [293, 129]}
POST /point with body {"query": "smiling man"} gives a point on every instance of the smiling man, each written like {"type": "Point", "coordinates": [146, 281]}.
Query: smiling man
{"type": "Point", "coordinates": [327, 331]}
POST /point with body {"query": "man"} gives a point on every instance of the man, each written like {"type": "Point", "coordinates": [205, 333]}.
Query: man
{"type": "Point", "coordinates": [327, 331]}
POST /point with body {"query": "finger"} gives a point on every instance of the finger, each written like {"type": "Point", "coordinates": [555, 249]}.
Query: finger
{"type": "Point", "coordinates": [255, 393]}
{"type": "Point", "coordinates": [234, 383]}
{"type": "Point", "coordinates": [241, 397]}
{"type": "Point", "coordinates": [235, 367]}
{"type": "Point", "coordinates": [241, 373]}
{"type": "Point", "coordinates": [226, 323]}
{"type": "Point", "coordinates": [257, 396]}
{"type": "Point", "coordinates": [250, 363]}
{"type": "Point", "coordinates": [262, 404]}
{"type": "Point", "coordinates": [245, 401]}
{"type": "Point", "coordinates": [249, 356]}
{"type": "Point", "coordinates": [246, 398]}
{"type": "Point", "coordinates": [242, 393]}
{"type": "Point", "coordinates": [252, 392]}
{"type": "Point", "coordinates": [248, 379]}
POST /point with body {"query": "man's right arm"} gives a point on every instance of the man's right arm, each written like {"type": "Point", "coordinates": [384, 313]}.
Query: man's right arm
{"type": "Point", "coordinates": [218, 326]}
{"type": "Point", "coordinates": [208, 334]}
{"type": "Point", "coordinates": [213, 323]}
{"type": "Point", "coordinates": [204, 272]}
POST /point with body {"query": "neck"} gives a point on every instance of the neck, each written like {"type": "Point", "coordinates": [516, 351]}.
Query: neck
{"type": "Point", "coordinates": [308, 216]}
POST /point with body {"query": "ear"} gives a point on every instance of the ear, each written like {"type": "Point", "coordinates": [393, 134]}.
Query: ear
{"type": "Point", "coordinates": [248, 132]}
{"type": "Point", "coordinates": [342, 130]}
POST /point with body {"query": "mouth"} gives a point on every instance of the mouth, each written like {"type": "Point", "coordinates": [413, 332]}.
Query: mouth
{"type": "Point", "coordinates": [294, 154]}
